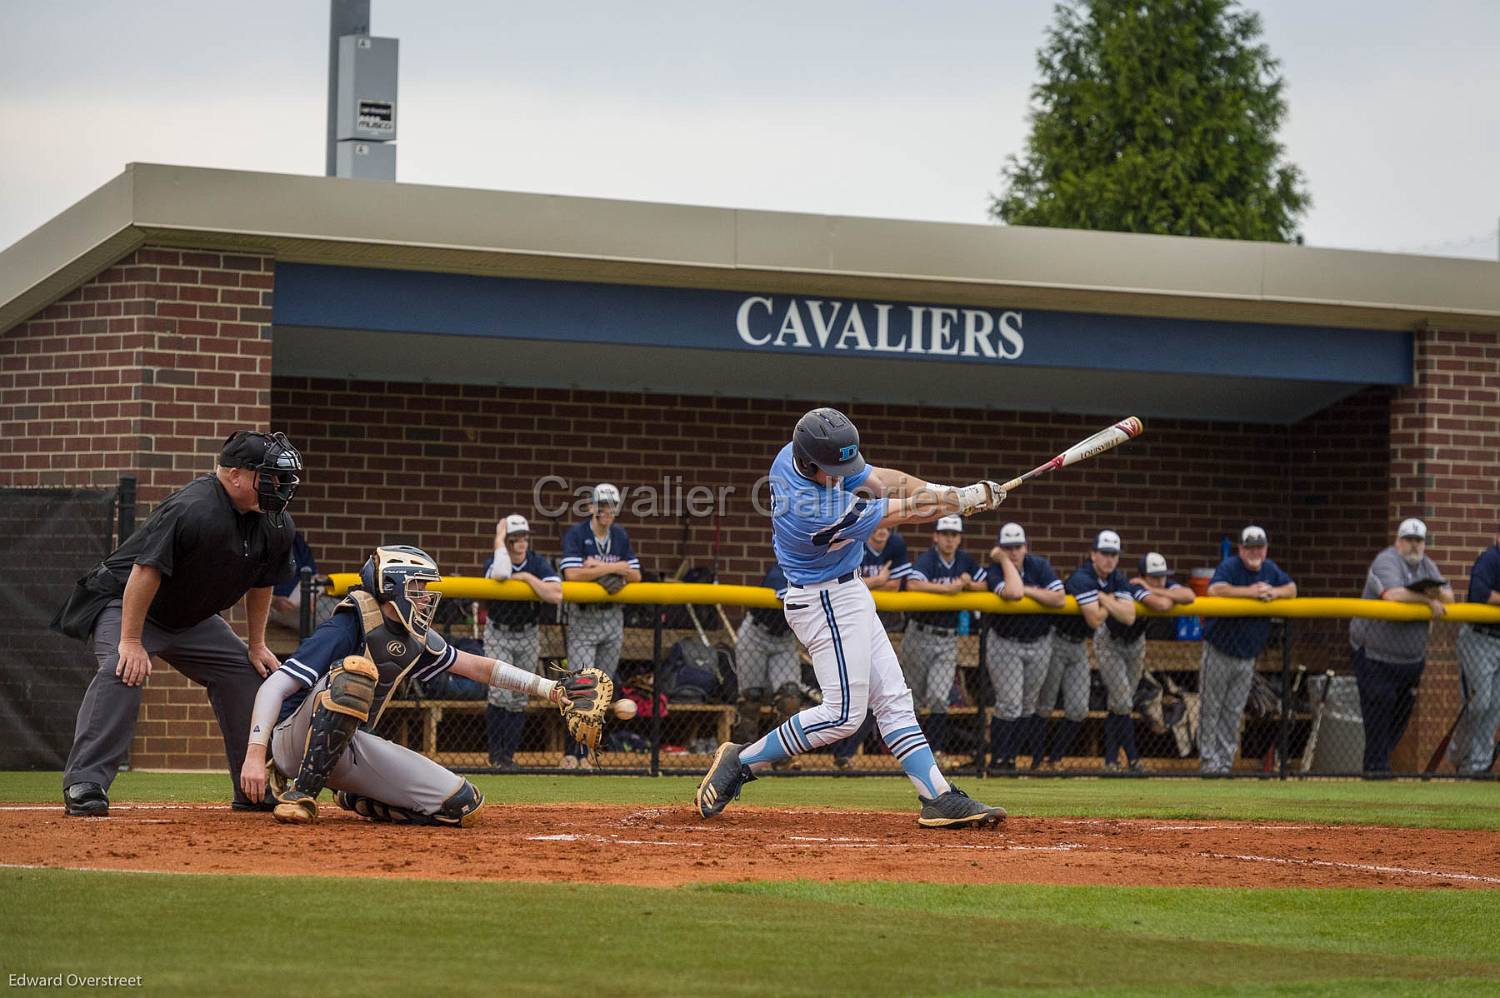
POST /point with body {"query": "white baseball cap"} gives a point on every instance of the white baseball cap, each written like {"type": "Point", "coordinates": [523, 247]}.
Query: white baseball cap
{"type": "Point", "coordinates": [1011, 535]}
{"type": "Point", "coordinates": [1253, 536]}
{"type": "Point", "coordinates": [606, 493]}
{"type": "Point", "coordinates": [1413, 527]}
{"type": "Point", "coordinates": [515, 523]}
{"type": "Point", "coordinates": [1108, 541]}
{"type": "Point", "coordinates": [1154, 563]}
{"type": "Point", "coordinates": [953, 523]}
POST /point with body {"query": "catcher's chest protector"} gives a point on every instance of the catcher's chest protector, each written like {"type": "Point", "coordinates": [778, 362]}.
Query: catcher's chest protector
{"type": "Point", "coordinates": [393, 651]}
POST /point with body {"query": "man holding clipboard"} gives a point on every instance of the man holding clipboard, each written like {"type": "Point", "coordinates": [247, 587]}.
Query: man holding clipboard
{"type": "Point", "coordinates": [1389, 655]}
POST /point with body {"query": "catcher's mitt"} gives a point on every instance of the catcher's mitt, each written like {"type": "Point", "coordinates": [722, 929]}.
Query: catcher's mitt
{"type": "Point", "coordinates": [583, 697]}
{"type": "Point", "coordinates": [611, 583]}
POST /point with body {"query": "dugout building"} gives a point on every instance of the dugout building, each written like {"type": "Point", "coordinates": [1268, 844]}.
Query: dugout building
{"type": "Point", "coordinates": [435, 352]}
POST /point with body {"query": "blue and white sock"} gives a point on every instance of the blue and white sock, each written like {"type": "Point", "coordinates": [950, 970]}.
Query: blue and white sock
{"type": "Point", "coordinates": [910, 748]}
{"type": "Point", "coordinates": [781, 742]}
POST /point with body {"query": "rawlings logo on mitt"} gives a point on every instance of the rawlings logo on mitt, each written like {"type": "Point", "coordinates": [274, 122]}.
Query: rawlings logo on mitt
{"type": "Point", "coordinates": [583, 697]}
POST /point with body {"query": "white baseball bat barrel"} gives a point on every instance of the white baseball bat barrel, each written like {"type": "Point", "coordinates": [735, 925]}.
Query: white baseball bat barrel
{"type": "Point", "coordinates": [1111, 436]}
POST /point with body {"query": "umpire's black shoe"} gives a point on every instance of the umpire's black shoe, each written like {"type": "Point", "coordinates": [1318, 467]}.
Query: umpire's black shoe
{"type": "Point", "coordinates": [722, 783]}
{"type": "Point", "coordinates": [86, 800]}
{"type": "Point", "coordinates": [956, 809]}
{"type": "Point", "coordinates": [267, 804]}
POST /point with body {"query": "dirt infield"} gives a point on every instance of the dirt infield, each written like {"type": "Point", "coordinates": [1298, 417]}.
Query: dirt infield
{"type": "Point", "coordinates": [664, 846]}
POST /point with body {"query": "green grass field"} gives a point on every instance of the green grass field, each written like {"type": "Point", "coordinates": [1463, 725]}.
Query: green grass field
{"type": "Point", "coordinates": [193, 935]}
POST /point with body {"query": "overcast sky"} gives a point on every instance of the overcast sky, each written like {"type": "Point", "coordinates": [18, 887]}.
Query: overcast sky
{"type": "Point", "coordinates": [854, 107]}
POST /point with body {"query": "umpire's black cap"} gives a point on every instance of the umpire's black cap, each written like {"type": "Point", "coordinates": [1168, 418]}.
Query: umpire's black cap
{"type": "Point", "coordinates": [825, 438]}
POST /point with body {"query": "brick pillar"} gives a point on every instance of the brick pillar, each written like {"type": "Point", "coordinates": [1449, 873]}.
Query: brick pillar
{"type": "Point", "coordinates": [1443, 469]}
{"type": "Point", "coordinates": [142, 371]}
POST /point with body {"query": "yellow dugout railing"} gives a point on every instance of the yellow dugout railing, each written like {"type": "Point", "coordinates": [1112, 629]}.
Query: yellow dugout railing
{"type": "Point", "coordinates": [701, 594]}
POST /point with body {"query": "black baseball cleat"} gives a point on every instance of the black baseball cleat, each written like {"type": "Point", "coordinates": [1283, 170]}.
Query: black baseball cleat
{"type": "Point", "coordinates": [956, 809]}
{"type": "Point", "coordinates": [86, 800]}
{"type": "Point", "coordinates": [722, 783]}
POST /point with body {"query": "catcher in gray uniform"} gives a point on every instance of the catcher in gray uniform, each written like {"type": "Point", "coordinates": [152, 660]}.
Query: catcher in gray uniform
{"type": "Point", "coordinates": [317, 712]}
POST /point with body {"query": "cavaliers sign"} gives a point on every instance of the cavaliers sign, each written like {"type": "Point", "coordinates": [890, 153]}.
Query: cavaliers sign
{"type": "Point", "coordinates": [864, 327]}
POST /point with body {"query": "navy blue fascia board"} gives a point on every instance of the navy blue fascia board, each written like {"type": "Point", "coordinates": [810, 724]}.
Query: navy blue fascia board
{"type": "Point", "coordinates": [313, 295]}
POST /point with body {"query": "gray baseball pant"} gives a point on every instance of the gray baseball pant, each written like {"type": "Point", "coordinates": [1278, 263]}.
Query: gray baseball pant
{"type": "Point", "coordinates": [929, 661]}
{"type": "Point", "coordinates": [765, 660]}
{"type": "Point", "coordinates": [1223, 686]}
{"type": "Point", "coordinates": [1120, 666]}
{"type": "Point", "coordinates": [595, 634]}
{"type": "Point", "coordinates": [1068, 670]}
{"type": "Point", "coordinates": [1474, 738]}
{"type": "Point", "coordinates": [370, 766]}
{"type": "Point", "coordinates": [1017, 670]}
{"type": "Point", "coordinates": [209, 653]}
{"type": "Point", "coordinates": [522, 649]}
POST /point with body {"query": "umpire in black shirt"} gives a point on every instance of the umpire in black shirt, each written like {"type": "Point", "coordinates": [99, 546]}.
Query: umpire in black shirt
{"type": "Point", "coordinates": [220, 538]}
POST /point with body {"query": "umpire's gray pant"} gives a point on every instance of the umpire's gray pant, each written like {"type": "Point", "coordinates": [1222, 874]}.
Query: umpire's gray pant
{"type": "Point", "coordinates": [1223, 686]}
{"type": "Point", "coordinates": [1068, 670]}
{"type": "Point", "coordinates": [1120, 666]}
{"type": "Point", "coordinates": [522, 649]}
{"type": "Point", "coordinates": [765, 660]}
{"type": "Point", "coordinates": [929, 661]}
{"type": "Point", "coordinates": [209, 653]}
{"type": "Point", "coordinates": [1017, 670]}
{"type": "Point", "coordinates": [1473, 745]}
{"type": "Point", "coordinates": [595, 633]}
{"type": "Point", "coordinates": [370, 766]}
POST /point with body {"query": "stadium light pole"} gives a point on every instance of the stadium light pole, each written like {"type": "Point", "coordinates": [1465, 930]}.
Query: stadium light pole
{"type": "Point", "coordinates": [345, 17]}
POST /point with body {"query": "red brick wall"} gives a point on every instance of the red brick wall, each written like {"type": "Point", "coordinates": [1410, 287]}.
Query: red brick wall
{"type": "Point", "coordinates": [438, 464]}
{"type": "Point", "coordinates": [142, 371]}
{"type": "Point", "coordinates": [1337, 494]}
{"type": "Point", "coordinates": [1445, 463]}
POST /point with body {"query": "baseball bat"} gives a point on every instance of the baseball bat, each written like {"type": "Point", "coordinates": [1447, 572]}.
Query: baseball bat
{"type": "Point", "coordinates": [1317, 723]}
{"type": "Point", "coordinates": [1442, 746]}
{"type": "Point", "coordinates": [1112, 436]}
{"type": "Point", "coordinates": [1268, 763]}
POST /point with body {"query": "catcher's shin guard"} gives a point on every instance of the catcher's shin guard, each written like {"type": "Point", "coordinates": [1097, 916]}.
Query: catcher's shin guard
{"type": "Point", "coordinates": [338, 712]}
{"type": "Point", "coordinates": [458, 811]}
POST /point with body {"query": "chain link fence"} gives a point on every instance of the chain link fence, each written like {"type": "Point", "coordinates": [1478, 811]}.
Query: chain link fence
{"type": "Point", "coordinates": [1218, 688]}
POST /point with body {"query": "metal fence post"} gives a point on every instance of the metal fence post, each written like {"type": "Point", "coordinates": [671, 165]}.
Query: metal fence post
{"type": "Point", "coordinates": [305, 610]}
{"type": "Point", "coordinates": [656, 691]}
{"type": "Point", "coordinates": [982, 692]}
{"type": "Point", "coordinates": [126, 507]}
{"type": "Point", "coordinates": [1284, 737]}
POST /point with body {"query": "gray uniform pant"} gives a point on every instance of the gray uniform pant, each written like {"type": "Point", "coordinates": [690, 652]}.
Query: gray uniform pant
{"type": "Point", "coordinates": [522, 649]}
{"type": "Point", "coordinates": [1223, 686]}
{"type": "Point", "coordinates": [765, 660]}
{"type": "Point", "coordinates": [1120, 666]}
{"type": "Point", "coordinates": [370, 766]}
{"type": "Point", "coordinates": [595, 633]}
{"type": "Point", "coordinates": [209, 653]}
{"type": "Point", "coordinates": [929, 661]}
{"type": "Point", "coordinates": [1017, 670]}
{"type": "Point", "coordinates": [1068, 670]}
{"type": "Point", "coordinates": [1473, 745]}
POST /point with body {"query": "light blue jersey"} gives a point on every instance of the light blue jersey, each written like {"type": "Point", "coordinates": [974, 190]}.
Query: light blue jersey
{"type": "Point", "coordinates": [819, 532]}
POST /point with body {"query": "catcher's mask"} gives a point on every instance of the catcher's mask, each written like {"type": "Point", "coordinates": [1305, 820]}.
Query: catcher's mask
{"type": "Point", "coordinates": [399, 575]}
{"type": "Point", "coordinates": [275, 462]}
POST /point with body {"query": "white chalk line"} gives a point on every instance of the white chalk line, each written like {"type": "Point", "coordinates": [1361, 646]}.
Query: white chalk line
{"type": "Point", "coordinates": [120, 807]}
{"type": "Point", "coordinates": [611, 840]}
{"type": "Point", "coordinates": [1365, 867]}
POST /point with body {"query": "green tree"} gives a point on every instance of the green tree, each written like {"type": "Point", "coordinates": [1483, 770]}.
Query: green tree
{"type": "Point", "coordinates": [1156, 116]}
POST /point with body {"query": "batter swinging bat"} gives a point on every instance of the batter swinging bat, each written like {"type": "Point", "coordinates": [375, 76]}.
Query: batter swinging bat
{"type": "Point", "coordinates": [1093, 446]}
